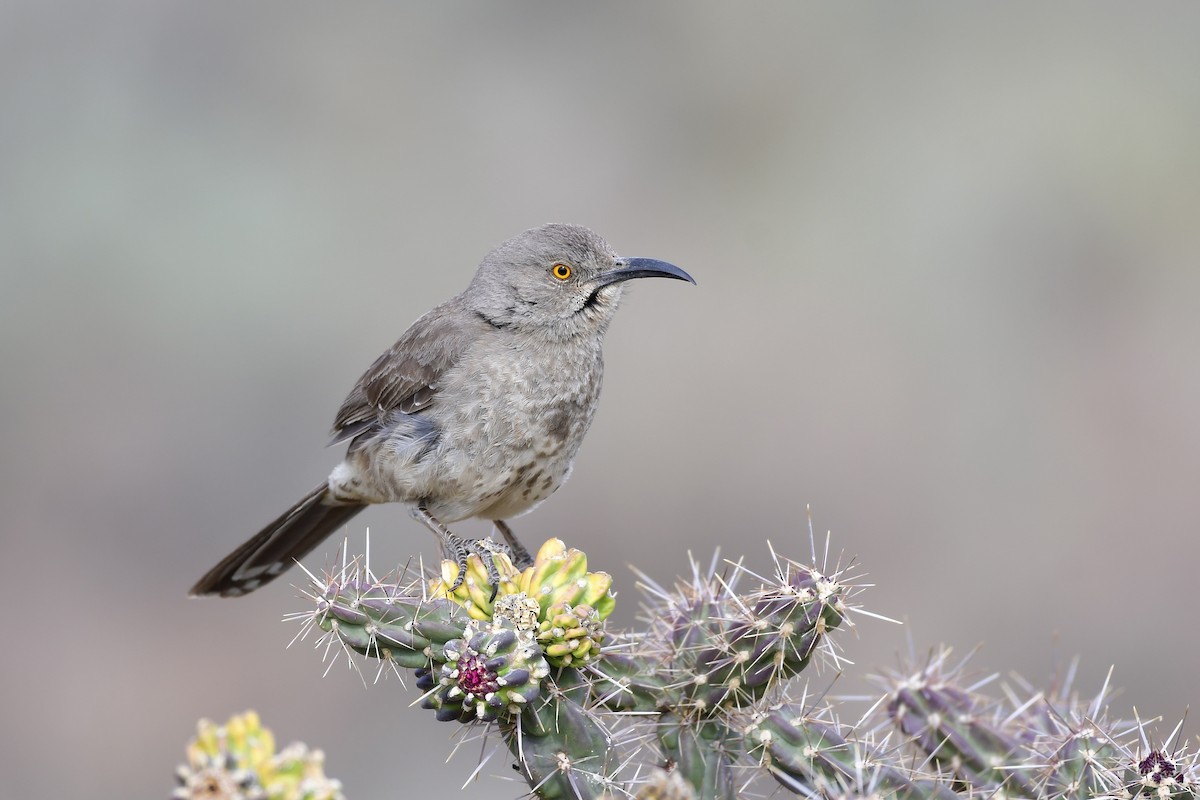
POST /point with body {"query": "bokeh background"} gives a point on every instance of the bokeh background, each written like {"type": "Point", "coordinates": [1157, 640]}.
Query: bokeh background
{"type": "Point", "coordinates": [948, 295]}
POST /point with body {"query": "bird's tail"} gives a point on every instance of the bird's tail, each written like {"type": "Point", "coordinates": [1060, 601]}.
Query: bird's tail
{"type": "Point", "coordinates": [271, 551]}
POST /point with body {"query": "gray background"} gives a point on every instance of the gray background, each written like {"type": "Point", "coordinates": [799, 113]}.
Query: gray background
{"type": "Point", "coordinates": [947, 295]}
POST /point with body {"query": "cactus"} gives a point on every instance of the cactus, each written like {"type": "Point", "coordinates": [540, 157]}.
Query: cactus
{"type": "Point", "coordinates": [237, 761]}
{"type": "Point", "coordinates": [708, 700]}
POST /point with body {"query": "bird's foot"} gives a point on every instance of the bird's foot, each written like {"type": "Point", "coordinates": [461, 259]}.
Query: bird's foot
{"type": "Point", "coordinates": [460, 549]}
{"type": "Point", "coordinates": [516, 551]}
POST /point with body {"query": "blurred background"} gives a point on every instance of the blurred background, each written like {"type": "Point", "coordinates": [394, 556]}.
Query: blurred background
{"type": "Point", "coordinates": [948, 295]}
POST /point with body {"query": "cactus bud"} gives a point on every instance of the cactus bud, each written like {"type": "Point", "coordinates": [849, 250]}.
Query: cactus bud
{"type": "Point", "coordinates": [237, 761]}
{"type": "Point", "coordinates": [571, 635]}
{"type": "Point", "coordinates": [492, 671]}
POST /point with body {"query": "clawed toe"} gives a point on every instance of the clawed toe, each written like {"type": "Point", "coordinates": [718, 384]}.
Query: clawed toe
{"type": "Point", "coordinates": [455, 549]}
{"type": "Point", "coordinates": [461, 549]}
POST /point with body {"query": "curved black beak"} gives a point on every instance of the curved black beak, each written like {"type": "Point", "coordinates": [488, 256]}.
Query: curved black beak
{"type": "Point", "coordinates": [640, 268]}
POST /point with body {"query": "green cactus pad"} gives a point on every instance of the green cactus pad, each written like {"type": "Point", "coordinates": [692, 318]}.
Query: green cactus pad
{"type": "Point", "coordinates": [386, 622]}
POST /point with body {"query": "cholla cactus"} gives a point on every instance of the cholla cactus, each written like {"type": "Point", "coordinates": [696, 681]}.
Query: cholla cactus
{"type": "Point", "coordinates": [572, 702]}
{"type": "Point", "coordinates": [702, 702]}
{"type": "Point", "coordinates": [237, 761]}
{"type": "Point", "coordinates": [1051, 745]}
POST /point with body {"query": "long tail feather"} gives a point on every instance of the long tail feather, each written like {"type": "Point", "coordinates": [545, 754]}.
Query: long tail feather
{"type": "Point", "coordinates": [271, 551]}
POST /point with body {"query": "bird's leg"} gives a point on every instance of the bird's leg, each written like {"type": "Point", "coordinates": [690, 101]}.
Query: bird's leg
{"type": "Point", "coordinates": [520, 556]}
{"type": "Point", "coordinates": [458, 548]}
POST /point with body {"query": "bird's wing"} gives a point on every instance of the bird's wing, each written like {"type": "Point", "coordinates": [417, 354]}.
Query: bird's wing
{"type": "Point", "coordinates": [407, 377]}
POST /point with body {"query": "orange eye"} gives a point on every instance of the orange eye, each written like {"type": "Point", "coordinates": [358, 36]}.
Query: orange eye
{"type": "Point", "coordinates": [561, 271]}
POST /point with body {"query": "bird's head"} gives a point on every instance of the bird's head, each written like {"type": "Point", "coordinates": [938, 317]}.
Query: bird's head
{"type": "Point", "coordinates": [558, 280]}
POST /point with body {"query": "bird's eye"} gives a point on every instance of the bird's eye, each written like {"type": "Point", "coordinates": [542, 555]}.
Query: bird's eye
{"type": "Point", "coordinates": [560, 271]}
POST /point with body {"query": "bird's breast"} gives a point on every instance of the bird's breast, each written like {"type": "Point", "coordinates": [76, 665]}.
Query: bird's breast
{"type": "Point", "coordinates": [512, 439]}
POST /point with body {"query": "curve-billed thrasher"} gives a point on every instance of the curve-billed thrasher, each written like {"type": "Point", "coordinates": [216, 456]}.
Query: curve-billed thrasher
{"type": "Point", "coordinates": [477, 411]}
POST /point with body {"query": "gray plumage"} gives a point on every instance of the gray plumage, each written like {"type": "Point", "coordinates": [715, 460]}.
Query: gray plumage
{"type": "Point", "coordinates": [478, 410]}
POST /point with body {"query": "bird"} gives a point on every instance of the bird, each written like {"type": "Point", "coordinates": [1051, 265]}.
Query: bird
{"type": "Point", "coordinates": [477, 411]}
